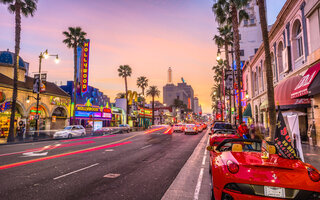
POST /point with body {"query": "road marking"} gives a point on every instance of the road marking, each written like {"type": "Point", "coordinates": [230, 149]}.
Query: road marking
{"type": "Point", "coordinates": [109, 150]}
{"type": "Point", "coordinates": [110, 175]}
{"type": "Point", "coordinates": [75, 171]}
{"type": "Point", "coordinates": [32, 154]}
{"type": "Point", "coordinates": [198, 187]}
{"type": "Point", "coordinates": [146, 146]}
{"type": "Point", "coordinates": [105, 146]}
{"type": "Point", "coordinates": [204, 160]}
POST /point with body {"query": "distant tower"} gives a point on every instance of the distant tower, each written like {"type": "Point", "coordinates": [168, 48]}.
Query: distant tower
{"type": "Point", "coordinates": [169, 75]}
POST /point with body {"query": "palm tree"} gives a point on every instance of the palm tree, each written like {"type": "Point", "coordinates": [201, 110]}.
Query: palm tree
{"type": "Point", "coordinates": [227, 12]}
{"type": "Point", "coordinates": [142, 82]}
{"type": "Point", "coordinates": [26, 8]}
{"type": "Point", "coordinates": [225, 39]}
{"type": "Point", "coordinates": [75, 38]}
{"type": "Point", "coordinates": [124, 72]}
{"type": "Point", "coordinates": [270, 89]}
{"type": "Point", "coordinates": [153, 91]}
{"type": "Point", "coordinates": [121, 95]}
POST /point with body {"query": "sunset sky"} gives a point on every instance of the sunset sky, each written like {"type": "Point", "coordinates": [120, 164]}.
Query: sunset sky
{"type": "Point", "coordinates": [148, 35]}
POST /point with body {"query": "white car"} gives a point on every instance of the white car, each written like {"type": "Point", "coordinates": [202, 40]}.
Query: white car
{"type": "Point", "coordinates": [70, 132]}
{"type": "Point", "coordinates": [178, 128]}
{"type": "Point", "coordinates": [190, 128]}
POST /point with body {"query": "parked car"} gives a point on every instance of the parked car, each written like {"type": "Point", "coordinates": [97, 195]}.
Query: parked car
{"type": "Point", "coordinates": [70, 132]}
{"type": "Point", "coordinates": [102, 131]}
{"type": "Point", "coordinates": [199, 127]}
{"type": "Point", "coordinates": [222, 127]}
{"type": "Point", "coordinates": [190, 128]}
{"type": "Point", "coordinates": [178, 128]}
{"type": "Point", "coordinates": [124, 128]}
{"type": "Point", "coordinates": [239, 172]}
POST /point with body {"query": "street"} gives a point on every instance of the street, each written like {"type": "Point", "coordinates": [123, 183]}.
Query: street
{"type": "Point", "coordinates": [123, 166]}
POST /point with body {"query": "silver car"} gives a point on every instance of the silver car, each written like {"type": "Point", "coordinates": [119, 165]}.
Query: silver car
{"type": "Point", "coordinates": [70, 132]}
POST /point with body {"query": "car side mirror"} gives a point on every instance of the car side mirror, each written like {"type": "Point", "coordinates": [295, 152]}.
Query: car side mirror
{"type": "Point", "coordinates": [210, 133]}
{"type": "Point", "coordinates": [210, 148]}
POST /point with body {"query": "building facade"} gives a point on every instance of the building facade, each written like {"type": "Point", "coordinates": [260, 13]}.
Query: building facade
{"type": "Point", "coordinates": [54, 105]}
{"type": "Point", "coordinates": [292, 39]}
{"type": "Point", "coordinates": [182, 91]}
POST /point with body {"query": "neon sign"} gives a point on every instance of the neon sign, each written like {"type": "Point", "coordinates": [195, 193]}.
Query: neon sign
{"type": "Point", "coordinates": [85, 66]}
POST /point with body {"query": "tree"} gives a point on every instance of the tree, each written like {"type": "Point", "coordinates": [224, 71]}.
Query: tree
{"type": "Point", "coordinates": [224, 39]}
{"type": "Point", "coordinates": [153, 91]}
{"type": "Point", "coordinates": [121, 95]}
{"type": "Point", "coordinates": [142, 82]}
{"type": "Point", "coordinates": [26, 8]}
{"type": "Point", "coordinates": [124, 72]}
{"type": "Point", "coordinates": [75, 38]}
{"type": "Point", "coordinates": [227, 12]}
{"type": "Point", "coordinates": [270, 89]}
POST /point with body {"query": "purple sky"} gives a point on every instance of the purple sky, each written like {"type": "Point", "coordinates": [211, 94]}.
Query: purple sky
{"type": "Point", "coordinates": [149, 35]}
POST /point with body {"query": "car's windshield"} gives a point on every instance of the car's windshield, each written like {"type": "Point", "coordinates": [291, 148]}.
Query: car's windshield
{"type": "Point", "coordinates": [68, 128]}
{"type": "Point", "coordinates": [222, 126]}
{"type": "Point", "coordinates": [244, 146]}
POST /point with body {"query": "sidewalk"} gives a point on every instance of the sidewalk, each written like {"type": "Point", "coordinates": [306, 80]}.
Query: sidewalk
{"type": "Point", "coordinates": [311, 155]}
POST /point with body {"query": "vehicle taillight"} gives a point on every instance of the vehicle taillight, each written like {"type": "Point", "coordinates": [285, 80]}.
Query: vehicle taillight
{"type": "Point", "coordinates": [313, 175]}
{"type": "Point", "coordinates": [194, 128]}
{"type": "Point", "coordinates": [232, 167]}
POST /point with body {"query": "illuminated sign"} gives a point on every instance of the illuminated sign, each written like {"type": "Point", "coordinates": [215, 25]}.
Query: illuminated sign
{"type": "Point", "coordinates": [145, 112]}
{"type": "Point", "coordinates": [87, 108]}
{"type": "Point", "coordinates": [58, 101]}
{"type": "Point", "coordinates": [85, 66]}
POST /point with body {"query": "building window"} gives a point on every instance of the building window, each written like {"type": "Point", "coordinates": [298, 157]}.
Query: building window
{"type": "Point", "coordinates": [239, 36]}
{"type": "Point", "coordinates": [255, 50]}
{"type": "Point", "coordinates": [252, 21]}
{"type": "Point", "coordinates": [241, 52]}
{"type": "Point", "coordinates": [299, 41]}
{"type": "Point", "coordinates": [245, 22]}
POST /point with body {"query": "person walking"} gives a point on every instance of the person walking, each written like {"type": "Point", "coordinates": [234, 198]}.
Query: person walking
{"type": "Point", "coordinates": [243, 131]}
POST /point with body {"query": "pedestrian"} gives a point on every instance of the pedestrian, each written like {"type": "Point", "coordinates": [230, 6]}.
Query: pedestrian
{"type": "Point", "coordinates": [243, 131]}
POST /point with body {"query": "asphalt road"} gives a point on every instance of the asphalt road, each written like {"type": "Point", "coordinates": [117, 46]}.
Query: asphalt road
{"type": "Point", "coordinates": [122, 166]}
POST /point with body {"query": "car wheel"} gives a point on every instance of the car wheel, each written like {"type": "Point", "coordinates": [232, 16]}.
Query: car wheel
{"type": "Point", "coordinates": [69, 136]}
{"type": "Point", "coordinates": [128, 131]}
{"type": "Point", "coordinates": [82, 135]}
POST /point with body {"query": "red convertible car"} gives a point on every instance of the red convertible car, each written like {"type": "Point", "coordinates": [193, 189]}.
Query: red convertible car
{"type": "Point", "coordinates": [239, 173]}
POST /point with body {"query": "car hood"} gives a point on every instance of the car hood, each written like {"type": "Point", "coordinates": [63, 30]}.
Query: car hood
{"type": "Point", "coordinates": [275, 171]}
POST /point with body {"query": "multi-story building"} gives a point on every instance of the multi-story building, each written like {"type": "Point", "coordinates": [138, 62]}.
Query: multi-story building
{"type": "Point", "coordinates": [294, 45]}
{"type": "Point", "coordinates": [182, 91]}
{"type": "Point", "coordinates": [250, 33]}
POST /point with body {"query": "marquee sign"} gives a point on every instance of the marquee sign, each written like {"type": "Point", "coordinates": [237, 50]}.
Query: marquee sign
{"type": "Point", "coordinates": [85, 66]}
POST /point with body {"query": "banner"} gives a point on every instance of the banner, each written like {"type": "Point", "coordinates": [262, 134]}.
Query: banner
{"type": "Point", "coordinates": [293, 122]}
{"type": "Point", "coordinates": [79, 70]}
{"type": "Point", "coordinates": [85, 66]}
{"type": "Point", "coordinates": [283, 140]}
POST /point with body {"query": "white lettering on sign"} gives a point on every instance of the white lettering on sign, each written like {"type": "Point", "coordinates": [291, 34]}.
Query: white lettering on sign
{"type": "Point", "coordinates": [306, 80]}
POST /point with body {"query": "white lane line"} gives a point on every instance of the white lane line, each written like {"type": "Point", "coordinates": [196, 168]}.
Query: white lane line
{"type": "Point", "coordinates": [204, 160]}
{"type": "Point", "coordinates": [75, 171]}
{"type": "Point", "coordinates": [111, 175]}
{"type": "Point", "coordinates": [146, 146]}
{"type": "Point", "coordinates": [197, 190]}
{"type": "Point", "coordinates": [109, 150]}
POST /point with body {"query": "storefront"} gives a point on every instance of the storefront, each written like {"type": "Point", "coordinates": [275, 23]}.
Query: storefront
{"type": "Point", "coordinates": [93, 116]}
{"type": "Point", "coordinates": [5, 113]}
{"type": "Point", "coordinates": [309, 86]}
{"type": "Point", "coordinates": [117, 116]}
{"type": "Point", "coordinates": [145, 117]}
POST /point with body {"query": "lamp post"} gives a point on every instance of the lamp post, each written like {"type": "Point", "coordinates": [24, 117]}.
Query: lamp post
{"type": "Point", "coordinates": [42, 55]}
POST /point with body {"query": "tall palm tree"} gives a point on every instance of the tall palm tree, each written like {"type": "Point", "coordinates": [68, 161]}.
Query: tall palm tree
{"type": "Point", "coordinates": [75, 38]}
{"type": "Point", "coordinates": [153, 91]}
{"type": "Point", "coordinates": [225, 39]}
{"type": "Point", "coordinates": [232, 11]}
{"type": "Point", "coordinates": [26, 8]}
{"type": "Point", "coordinates": [270, 89]}
{"type": "Point", "coordinates": [142, 82]}
{"type": "Point", "coordinates": [124, 72]}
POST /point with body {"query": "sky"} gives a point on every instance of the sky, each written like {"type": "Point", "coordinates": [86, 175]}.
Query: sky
{"type": "Point", "coordinates": [148, 35]}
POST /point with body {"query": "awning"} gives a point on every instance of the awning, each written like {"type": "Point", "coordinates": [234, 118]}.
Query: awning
{"type": "Point", "coordinates": [247, 112]}
{"type": "Point", "coordinates": [301, 89]}
{"type": "Point", "coordinates": [283, 91]}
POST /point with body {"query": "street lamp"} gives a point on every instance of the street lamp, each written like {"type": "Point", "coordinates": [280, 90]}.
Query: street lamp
{"type": "Point", "coordinates": [218, 54]}
{"type": "Point", "coordinates": [42, 55]}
